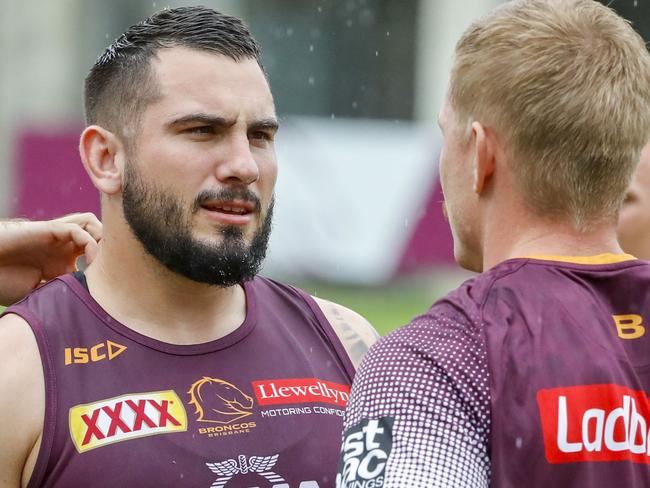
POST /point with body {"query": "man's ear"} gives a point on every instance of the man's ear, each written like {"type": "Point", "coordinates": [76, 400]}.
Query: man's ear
{"type": "Point", "coordinates": [102, 154]}
{"type": "Point", "coordinates": [484, 156]}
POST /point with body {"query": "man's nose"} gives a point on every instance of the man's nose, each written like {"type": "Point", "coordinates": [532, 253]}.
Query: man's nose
{"type": "Point", "coordinates": [238, 163]}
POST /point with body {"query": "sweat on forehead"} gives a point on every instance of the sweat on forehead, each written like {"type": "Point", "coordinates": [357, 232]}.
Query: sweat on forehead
{"type": "Point", "coordinates": [121, 82]}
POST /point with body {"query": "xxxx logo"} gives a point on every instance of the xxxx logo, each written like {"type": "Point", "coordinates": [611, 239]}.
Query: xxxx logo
{"type": "Point", "coordinates": [126, 417]}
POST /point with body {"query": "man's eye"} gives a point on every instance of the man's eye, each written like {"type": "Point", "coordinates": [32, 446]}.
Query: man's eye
{"type": "Point", "coordinates": [201, 129]}
{"type": "Point", "coordinates": [260, 136]}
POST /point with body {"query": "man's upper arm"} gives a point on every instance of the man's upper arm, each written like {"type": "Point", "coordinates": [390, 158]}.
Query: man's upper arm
{"type": "Point", "coordinates": [418, 415]}
{"type": "Point", "coordinates": [22, 401]}
{"type": "Point", "coordinates": [354, 331]}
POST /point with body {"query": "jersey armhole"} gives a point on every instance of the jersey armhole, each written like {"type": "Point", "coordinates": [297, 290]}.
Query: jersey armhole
{"type": "Point", "coordinates": [49, 380]}
{"type": "Point", "coordinates": [327, 329]}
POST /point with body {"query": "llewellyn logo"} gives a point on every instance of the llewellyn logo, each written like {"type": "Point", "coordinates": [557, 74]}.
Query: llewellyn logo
{"type": "Point", "coordinates": [221, 403]}
{"type": "Point", "coordinates": [300, 390]}
{"type": "Point", "coordinates": [126, 417]}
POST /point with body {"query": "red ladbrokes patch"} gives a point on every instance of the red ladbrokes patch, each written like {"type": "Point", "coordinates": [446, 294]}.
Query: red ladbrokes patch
{"type": "Point", "coordinates": [300, 390]}
{"type": "Point", "coordinates": [595, 423]}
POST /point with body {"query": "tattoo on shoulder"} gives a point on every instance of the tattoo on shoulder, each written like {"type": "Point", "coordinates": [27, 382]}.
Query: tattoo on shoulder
{"type": "Point", "coordinates": [351, 339]}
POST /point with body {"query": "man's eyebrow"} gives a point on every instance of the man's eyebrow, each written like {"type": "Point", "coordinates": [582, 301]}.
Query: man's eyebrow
{"type": "Point", "coordinates": [203, 118]}
{"type": "Point", "coordinates": [269, 123]}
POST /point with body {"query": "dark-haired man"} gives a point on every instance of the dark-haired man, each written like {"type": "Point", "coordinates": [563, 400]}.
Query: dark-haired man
{"type": "Point", "coordinates": [169, 363]}
{"type": "Point", "coordinates": [534, 373]}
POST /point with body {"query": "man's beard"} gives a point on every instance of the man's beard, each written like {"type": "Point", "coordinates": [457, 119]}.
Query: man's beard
{"type": "Point", "coordinates": [164, 227]}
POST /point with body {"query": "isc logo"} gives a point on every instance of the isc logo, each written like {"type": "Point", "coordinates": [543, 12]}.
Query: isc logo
{"type": "Point", "coordinates": [82, 355]}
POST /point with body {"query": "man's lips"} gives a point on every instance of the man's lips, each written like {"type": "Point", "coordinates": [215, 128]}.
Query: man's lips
{"type": "Point", "coordinates": [231, 212]}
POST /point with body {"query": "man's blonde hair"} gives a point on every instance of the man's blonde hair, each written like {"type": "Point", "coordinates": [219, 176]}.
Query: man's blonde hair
{"type": "Point", "coordinates": [566, 85]}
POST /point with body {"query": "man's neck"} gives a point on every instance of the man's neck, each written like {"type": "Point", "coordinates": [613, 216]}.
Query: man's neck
{"type": "Point", "coordinates": [538, 237]}
{"type": "Point", "coordinates": [139, 292]}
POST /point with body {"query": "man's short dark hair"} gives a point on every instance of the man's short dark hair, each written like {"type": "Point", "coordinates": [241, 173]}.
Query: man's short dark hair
{"type": "Point", "coordinates": [122, 83]}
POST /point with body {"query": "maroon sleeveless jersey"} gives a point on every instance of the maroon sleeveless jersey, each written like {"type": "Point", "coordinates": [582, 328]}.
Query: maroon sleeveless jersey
{"type": "Point", "coordinates": [260, 407]}
{"type": "Point", "coordinates": [533, 374]}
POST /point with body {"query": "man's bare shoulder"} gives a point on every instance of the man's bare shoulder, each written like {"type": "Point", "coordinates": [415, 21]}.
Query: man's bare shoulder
{"type": "Point", "coordinates": [22, 403]}
{"type": "Point", "coordinates": [354, 331]}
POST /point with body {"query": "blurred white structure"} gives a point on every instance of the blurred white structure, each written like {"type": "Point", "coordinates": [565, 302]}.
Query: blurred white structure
{"type": "Point", "coordinates": [348, 194]}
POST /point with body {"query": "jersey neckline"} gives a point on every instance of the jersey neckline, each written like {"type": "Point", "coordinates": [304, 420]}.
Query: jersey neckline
{"type": "Point", "coordinates": [176, 349]}
{"type": "Point", "coordinates": [605, 258]}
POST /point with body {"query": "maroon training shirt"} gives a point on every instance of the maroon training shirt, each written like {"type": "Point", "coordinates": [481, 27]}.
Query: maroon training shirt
{"type": "Point", "coordinates": [533, 374]}
{"type": "Point", "coordinates": [261, 407]}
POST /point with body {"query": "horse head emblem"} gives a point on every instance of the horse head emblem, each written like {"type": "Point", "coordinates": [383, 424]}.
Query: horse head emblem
{"type": "Point", "coordinates": [218, 401]}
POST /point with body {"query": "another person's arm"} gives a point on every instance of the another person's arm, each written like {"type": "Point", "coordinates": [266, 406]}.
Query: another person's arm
{"type": "Point", "coordinates": [22, 402]}
{"type": "Point", "coordinates": [419, 411]}
{"type": "Point", "coordinates": [33, 252]}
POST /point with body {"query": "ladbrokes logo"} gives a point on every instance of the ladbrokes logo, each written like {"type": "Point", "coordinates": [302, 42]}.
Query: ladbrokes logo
{"type": "Point", "coordinates": [126, 417]}
{"type": "Point", "coordinates": [300, 390]}
{"type": "Point", "coordinates": [218, 402]}
{"type": "Point", "coordinates": [595, 423]}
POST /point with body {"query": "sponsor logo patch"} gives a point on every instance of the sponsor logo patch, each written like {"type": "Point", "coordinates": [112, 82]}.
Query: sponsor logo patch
{"type": "Point", "coordinates": [300, 390]}
{"type": "Point", "coordinates": [244, 468]}
{"type": "Point", "coordinates": [108, 350]}
{"type": "Point", "coordinates": [595, 423]}
{"type": "Point", "coordinates": [126, 417]}
{"type": "Point", "coordinates": [222, 406]}
{"type": "Point", "coordinates": [364, 453]}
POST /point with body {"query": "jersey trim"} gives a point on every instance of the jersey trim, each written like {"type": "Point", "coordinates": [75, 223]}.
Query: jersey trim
{"type": "Point", "coordinates": [606, 258]}
{"type": "Point", "coordinates": [177, 349]}
{"type": "Point", "coordinates": [49, 379]}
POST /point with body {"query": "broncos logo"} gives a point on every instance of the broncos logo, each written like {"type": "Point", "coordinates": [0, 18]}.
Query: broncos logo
{"type": "Point", "coordinates": [218, 401]}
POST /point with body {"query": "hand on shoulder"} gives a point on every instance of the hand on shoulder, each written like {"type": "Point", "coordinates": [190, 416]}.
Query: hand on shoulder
{"type": "Point", "coordinates": [33, 252]}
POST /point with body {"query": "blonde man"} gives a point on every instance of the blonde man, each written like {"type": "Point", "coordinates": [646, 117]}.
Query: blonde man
{"type": "Point", "coordinates": [634, 222]}
{"type": "Point", "coordinates": [534, 373]}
